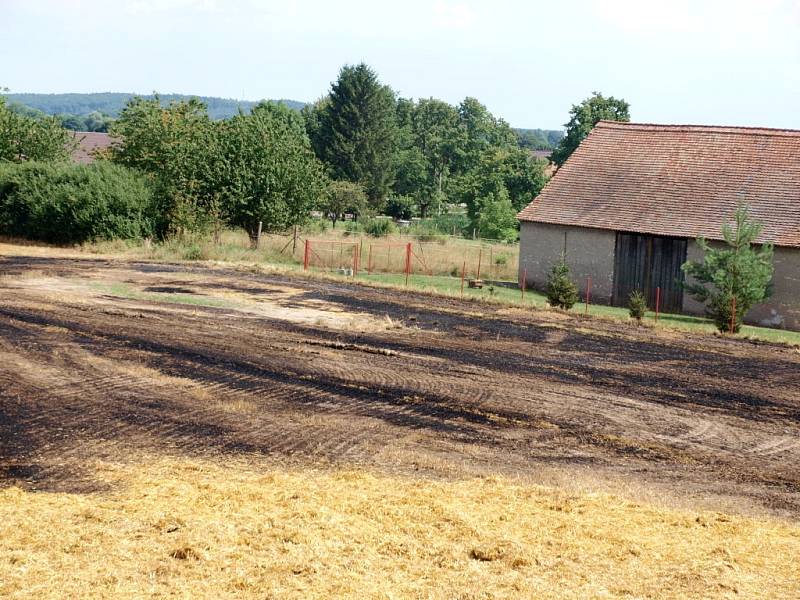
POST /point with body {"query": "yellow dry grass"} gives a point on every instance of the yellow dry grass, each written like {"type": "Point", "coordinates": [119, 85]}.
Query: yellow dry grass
{"type": "Point", "coordinates": [197, 529]}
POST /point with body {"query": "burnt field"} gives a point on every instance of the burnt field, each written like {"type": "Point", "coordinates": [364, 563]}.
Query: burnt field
{"type": "Point", "coordinates": [101, 360]}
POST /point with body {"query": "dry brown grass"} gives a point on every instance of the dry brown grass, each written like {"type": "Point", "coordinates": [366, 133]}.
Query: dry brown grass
{"type": "Point", "coordinates": [196, 529]}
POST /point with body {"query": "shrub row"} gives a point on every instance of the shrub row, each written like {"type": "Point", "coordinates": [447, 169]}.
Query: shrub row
{"type": "Point", "coordinates": [66, 203]}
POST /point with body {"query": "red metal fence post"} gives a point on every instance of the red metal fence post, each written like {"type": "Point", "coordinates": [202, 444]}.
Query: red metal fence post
{"type": "Point", "coordinates": [480, 255]}
{"type": "Point", "coordinates": [356, 253]}
{"type": "Point", "coordinates": [733, 315]}
{"type": "Point", "coordinates": [305, 256]}
{"type": "Point", "coordinates": [463, 271]}
{"type": "Point", "coordinates": [408, 261]}
{"type": "Point", "coordinates": [524, 282]}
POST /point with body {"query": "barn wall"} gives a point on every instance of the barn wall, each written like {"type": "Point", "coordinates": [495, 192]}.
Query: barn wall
{"type": "Point", "coordinates": [782, 309]}
{"type": "Point", "coordinates": [589, 252]}
{"type": "Point", "coordinates": [690, 305]}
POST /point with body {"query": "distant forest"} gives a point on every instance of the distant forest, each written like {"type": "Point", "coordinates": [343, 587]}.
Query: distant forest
{"type": "Point", "coordinates": [95, 112]}
{"type": "Point", "coordinates": [539, 139]}
{"type": "Point", "coordinates": [111, 103]}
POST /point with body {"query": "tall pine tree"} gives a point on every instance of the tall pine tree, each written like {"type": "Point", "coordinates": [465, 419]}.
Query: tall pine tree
{"type": "Point", "coordinates": [358, 131]}
{"type": "Point", "coordinates": [731, 279]}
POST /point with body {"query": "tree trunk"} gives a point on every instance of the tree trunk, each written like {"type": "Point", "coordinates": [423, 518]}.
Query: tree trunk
{"type": "Point", "coordinates": [254, 233]}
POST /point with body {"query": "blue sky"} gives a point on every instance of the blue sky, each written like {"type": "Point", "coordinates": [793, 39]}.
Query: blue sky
{"type": "Point", "coordinates": [702, 61]}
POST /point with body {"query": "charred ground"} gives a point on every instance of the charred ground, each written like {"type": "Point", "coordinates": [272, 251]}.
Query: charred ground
{"type": "Point", "coordinates": [103, 359]}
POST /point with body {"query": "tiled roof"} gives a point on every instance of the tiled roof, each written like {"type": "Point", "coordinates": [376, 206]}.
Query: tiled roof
{"type": "Point", "coordinates": [89, 143]}
{"type": "Point", "coordinates": [677, 180]}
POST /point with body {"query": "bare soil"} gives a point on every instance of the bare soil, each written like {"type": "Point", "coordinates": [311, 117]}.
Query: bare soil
{"type": "Point", "coordinates": [104, 359]}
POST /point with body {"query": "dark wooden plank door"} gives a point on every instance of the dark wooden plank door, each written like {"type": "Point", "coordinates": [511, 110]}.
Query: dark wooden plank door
{"type": "Point", "coordinates": [647, 262]}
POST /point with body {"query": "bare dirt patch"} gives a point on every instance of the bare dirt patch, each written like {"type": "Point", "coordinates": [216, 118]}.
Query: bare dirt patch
{"type": "Point", "coordinates": [97, 364]}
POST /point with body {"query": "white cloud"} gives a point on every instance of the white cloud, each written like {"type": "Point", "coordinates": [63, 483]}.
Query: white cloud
{"type": "Point", "coordinates": [715, 24]}
{"type": "Point", "coordinates": [453, 15]}
{"type": "Point", "coordinates": [149, 7]}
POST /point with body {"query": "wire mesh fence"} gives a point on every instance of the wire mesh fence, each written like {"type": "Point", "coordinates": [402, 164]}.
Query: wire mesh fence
{"type": "Point", "coordinates": [332, 255]}
{"type": "Point", "coordinates": [468, 259]}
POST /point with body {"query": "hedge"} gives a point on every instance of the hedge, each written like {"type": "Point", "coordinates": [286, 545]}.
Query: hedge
{"type": "Point", "coordinates": [67, 203]}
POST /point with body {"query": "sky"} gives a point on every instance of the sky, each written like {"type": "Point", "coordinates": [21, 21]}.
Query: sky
{"type": "Point", "coordinates": [729, 62]}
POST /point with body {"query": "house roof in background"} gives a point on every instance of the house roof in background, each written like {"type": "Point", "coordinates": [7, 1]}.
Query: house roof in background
{"type": "Point", "coordinates": [88, 143]}
{"type": "Point", "coordinates": [677, 180]}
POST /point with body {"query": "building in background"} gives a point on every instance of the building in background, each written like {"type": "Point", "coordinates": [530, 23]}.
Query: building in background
{"type": "Point", "coordinates": [89, 144]}
{"type": "Point", "coordinates": [627, 206]}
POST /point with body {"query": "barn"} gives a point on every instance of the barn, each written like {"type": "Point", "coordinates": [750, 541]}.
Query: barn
{"type": "Point", "coordinates": [628, 205]}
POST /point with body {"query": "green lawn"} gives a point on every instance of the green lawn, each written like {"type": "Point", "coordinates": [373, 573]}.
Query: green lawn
{"type": "Point", "coordinates": [452, 286]}
{"type": "Point", "coordinates": [124, 290]}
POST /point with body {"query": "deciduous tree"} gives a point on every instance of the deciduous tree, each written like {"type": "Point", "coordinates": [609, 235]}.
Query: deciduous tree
{"type": "Point", "coordinates": [343, 197]}
{"type": "Point", "coordinates": [176, 146]}
{"type": "Point", "coordinates": [268, 172]}
{"type": "Point", "coordinates": [583, 117]}
{"type": "Point", "coordinates": [24, 137]}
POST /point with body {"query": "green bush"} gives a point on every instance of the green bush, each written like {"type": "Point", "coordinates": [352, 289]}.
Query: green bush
{"type": "Point", "coordinates": [496, 218]}
{"type": "Point", "coordinates": [352, 227]}
{"type": "Point", "coordinates": [316, 226]}
{"type": "Point", "coordinates": [400, 207]}
{"type": "Point", "coordinates": [637, 305]}
{"type": "Point", "coordinates": [561, 292]}
{"type": "Point", "coordinates": [193, 252]}
{"type": "Point", "coordinates": [451, 224]}
{"type": "Point", "coordinates": [427, 231]}
{"type": "Point", "coordinates": [378, 227]}
{"type": "Point", "coordinates": [65, 203]}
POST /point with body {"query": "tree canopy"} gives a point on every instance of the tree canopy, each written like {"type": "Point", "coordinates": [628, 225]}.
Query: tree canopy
{"type": "Point", "coordinates": [269, 164]}
{"type": "Point", "coordinates": [426, 156]}
{"type": "Point", "coordinates": [252, 168]}
{"type": "Point", "coordinates": [24, 137]}
{"type": "Point", "coordinates": [176, 146]}
{"type": "Point", "coordinates": [356, 132]}
{"type": "Point", "coordinates": [268, 171]}
{"type": "Point", "coordinates": [583, 117]}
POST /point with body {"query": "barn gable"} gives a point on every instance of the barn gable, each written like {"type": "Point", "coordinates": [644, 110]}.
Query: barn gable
{"type": "Point", "coordinates": [626, 208]}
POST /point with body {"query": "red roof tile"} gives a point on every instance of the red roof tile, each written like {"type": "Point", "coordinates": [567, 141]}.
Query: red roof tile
{"type": "Point", "coordinates": [677, 180]}
{"type": "Point", "coordinates": [88, 143]}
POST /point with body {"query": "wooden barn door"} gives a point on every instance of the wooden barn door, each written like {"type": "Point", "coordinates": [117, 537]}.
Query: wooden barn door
{"type": "Point", "coordinates": [647, 262]}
